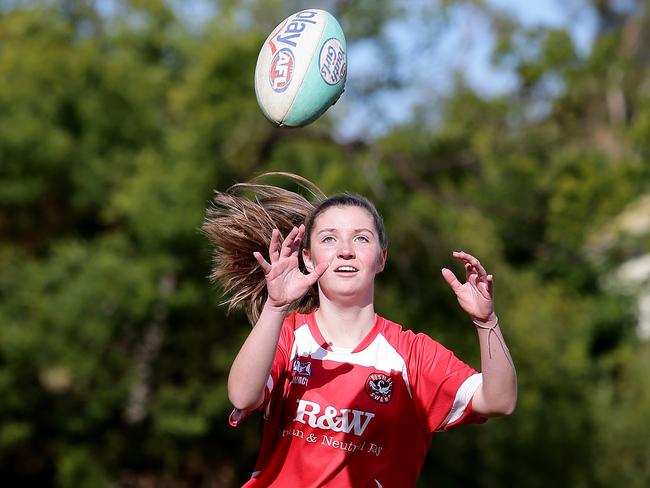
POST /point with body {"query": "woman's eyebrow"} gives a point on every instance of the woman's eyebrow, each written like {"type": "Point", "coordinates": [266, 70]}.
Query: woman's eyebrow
{"type": "Point", "coordinates": [334, 230]}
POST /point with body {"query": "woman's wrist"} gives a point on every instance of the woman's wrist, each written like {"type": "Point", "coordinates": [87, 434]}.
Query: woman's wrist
{"type": "Point", "coordinates": [487, 322]}
{"type": "Point", "coordinates": [272, 307]}
{"type": "Point", "coordinates": [488, 326]}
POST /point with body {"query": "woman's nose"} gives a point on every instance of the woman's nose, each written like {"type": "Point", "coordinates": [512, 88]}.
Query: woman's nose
{"type": "Point", "coordinates": [345, 250]}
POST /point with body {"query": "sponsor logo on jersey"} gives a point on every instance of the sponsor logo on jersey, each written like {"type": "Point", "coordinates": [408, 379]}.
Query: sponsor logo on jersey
{"type": "Point", "coordinates": [379, 387]}
{"type": "Point", "coordinates": [332, 61]}
{"type": "Point", "coordinates": [343, 420]}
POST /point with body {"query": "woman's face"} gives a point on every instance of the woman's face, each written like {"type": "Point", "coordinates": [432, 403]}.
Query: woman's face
{"type": "Point", "coordinates": [346, 238]}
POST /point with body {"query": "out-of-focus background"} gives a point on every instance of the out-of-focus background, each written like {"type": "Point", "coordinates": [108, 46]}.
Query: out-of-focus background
{"type": "Point", "coordinates": [518, 131]}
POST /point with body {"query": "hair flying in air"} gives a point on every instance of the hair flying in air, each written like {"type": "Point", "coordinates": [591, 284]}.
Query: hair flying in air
{"type": "Point", "coordinates": [241, 221]}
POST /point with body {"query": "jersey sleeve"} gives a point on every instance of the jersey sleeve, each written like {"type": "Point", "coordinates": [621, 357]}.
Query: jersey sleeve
{"type": "Point", "coordinates": [278, 367]}
{"type": "Point", "coordinates": [443, 385]}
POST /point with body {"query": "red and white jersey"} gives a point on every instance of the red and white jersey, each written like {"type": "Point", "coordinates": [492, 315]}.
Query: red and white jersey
{"type": "Point", "coordinates": [361, 417]}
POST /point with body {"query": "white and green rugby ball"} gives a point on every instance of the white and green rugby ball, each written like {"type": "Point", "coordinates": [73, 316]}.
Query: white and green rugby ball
{"type": "Point", "coordinates": [301, 68]}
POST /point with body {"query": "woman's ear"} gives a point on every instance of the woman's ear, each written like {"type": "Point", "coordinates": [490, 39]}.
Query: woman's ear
{"type": "Point", "coordinates": [382, 260]}
{"type": "Point", "coordinates": [306, 258]}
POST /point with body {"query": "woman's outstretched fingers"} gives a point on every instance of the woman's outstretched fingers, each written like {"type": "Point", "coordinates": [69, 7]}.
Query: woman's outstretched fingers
{"type": "Point", "coordinates": [468, 258]}
{"type": "Point", "coordinates": [490, 283]}
{"type": "Point", "coordinates": [297, 240]}
{"type": "Point", "coordinates": [274, 246]}
{"type": "Point", "coordinates": [318, 271]}
{"type": "Point", "coordinates": [266, 267]}
{"type": "Point", "coordinates": [287, 244]}
{"type": "Point", "coordinates": [451, 279]}
{"type": "Point", "coordinates": [477, 264]}
{"type": "Point", "coordinates": [469, 270]}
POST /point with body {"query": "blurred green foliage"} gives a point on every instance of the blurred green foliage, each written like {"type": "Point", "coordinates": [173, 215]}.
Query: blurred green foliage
{"type": "Point", "coordinates": [115, 128]}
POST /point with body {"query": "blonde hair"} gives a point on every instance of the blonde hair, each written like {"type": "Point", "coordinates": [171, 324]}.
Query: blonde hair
{"type": "Point", "coordinates": [241, 221]}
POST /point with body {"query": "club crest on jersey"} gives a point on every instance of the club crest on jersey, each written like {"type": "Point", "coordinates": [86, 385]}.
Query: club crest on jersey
{"type": "Point", "coordinates": [379, 387]}
{"type": "Point", "coordinates": [301, 368]}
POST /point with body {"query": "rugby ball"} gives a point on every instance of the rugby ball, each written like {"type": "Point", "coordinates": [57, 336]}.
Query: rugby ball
{"type": "Point", "coordinates": [301, 68]}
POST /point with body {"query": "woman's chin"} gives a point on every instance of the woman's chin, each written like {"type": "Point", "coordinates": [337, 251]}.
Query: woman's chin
{"type": "Point", "coordinates": [348, 293]}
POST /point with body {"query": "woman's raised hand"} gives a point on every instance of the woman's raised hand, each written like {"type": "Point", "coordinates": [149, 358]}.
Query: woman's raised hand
{"type": "Point", "coordinates": [475, 295]}
{"type": "Point", "coordinates": [285, 283]}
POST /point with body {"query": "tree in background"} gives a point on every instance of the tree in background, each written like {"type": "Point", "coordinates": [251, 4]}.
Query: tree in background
{"type": "Point", "coordinates": [117, 123]}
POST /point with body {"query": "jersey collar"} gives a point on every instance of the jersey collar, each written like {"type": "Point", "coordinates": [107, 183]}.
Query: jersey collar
{"type": "Point", "coordinates": [365, 342]}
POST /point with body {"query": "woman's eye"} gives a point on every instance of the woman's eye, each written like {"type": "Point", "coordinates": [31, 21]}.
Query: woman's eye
{"type": "Point", "coordinates": [363, 239]}
{"type": "Point", "coordinates": [328, 239]}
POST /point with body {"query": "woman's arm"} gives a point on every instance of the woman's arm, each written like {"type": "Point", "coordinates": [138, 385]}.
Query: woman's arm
{"type": "Point", "coordinates": [497, 394]}
{"type": "Point", "coordinates": [250, 369]}
{"type": "Point", "coordinates": [285, 283]}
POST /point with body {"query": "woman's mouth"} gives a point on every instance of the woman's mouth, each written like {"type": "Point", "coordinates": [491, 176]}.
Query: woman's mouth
{"type": "Point", "coordinates": [346, 269]}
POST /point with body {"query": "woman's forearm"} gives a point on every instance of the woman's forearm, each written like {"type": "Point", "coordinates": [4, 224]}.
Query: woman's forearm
{"type": "Point", "coordinates": [498, 393]}
{"type": "Point", "coordinates": [250, 369]}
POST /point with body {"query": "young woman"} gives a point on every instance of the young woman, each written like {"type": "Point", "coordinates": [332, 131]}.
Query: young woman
{"type": "Point", "coordinates": [349, 398]}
